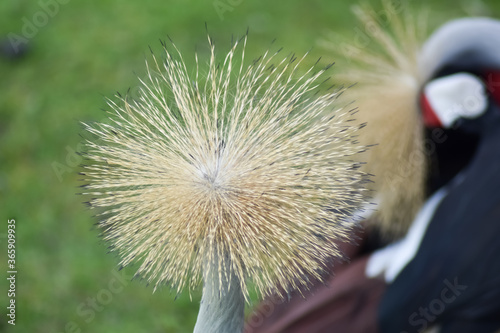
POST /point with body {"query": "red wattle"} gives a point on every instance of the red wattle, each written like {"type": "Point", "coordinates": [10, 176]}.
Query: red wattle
{"type": "Point", "coordinates": [492, 79]}
{"type": "Point", "coordinates": [429, 116]}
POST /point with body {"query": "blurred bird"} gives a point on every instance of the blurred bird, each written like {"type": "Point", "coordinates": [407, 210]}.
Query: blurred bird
{"type": "Point", "coordinates": [446, 271]}
{"type": "Point", "coordinates": [227, 175]}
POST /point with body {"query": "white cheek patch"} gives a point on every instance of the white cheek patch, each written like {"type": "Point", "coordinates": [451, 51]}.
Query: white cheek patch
{"type": "Point", "coordinates": [460, 95]}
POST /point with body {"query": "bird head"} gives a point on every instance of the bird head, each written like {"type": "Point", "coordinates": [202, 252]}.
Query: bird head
{"type": "Point", "coordinates": [460, 63]}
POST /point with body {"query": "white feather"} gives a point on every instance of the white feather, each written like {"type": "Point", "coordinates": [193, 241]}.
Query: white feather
{"type": "Point", "coordinates": [391, 259]}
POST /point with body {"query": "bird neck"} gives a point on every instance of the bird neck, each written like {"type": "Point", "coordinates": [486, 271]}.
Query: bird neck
{"type": "Point", "coordinates": [222, 307]}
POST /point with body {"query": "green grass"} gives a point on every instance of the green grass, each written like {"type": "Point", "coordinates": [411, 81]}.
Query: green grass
{"type": "Point", "coordinates": [87, 50]}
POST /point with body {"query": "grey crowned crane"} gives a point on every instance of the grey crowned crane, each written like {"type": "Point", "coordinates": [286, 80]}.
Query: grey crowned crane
{"type": "Point", "coordinates": [446, 271]}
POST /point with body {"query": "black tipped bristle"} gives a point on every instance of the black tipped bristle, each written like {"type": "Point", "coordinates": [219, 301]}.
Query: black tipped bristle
{"type": "Point", "coordinates": [326, 80]}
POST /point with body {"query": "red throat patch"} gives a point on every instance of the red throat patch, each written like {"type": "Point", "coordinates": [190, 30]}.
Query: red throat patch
{"type": "Point", "coordinates": [492, 80]}
{"type": "Point", "coordinates": [429, 116]}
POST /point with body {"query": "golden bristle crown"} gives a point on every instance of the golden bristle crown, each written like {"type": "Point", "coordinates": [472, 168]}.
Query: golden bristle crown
{"type": "Point", "coordinates": [383, 64]}
{"type": "Point", "coordinates": [230, 165]}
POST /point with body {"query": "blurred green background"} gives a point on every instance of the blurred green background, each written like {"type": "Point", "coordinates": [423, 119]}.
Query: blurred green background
{"type": "Point", "coordinates": [77, 52]}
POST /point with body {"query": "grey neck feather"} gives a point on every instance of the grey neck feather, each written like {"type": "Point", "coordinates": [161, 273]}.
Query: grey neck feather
{"type": "Point", "coordinates": [222, 307]}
